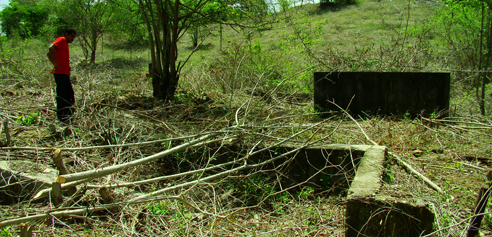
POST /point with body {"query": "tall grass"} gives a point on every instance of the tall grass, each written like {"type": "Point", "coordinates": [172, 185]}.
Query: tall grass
{"type": "Point", "coordinates": [279, 58]}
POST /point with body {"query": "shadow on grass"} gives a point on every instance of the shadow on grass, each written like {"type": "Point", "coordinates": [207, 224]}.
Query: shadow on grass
{"type": "Point", "coordinates": [329, 7]}
{"type": "Point", "coordinates": [128, 45]}
{"type": "Point", "coordinates": [207, 46]}
{"type": "Point", "coordinates": [118, 63]}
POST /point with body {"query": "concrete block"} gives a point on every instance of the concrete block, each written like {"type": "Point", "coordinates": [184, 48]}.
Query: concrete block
{"type": "Point", "coordinates": [367, 180]}
{"type": "Point", "coordinates": [382, 93]}
{"type": "Point", "coordinates": [369, 213]}
{"type": "Point", "coordinates": [387, 216]}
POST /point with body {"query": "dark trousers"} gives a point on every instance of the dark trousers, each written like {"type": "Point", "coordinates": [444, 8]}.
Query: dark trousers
{"type": "Point", "coordinates": [64, 98]}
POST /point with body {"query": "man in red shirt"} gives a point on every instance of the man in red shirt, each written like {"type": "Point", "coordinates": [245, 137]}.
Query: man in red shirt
{"type": "Point", "coordinates": [58, 54]}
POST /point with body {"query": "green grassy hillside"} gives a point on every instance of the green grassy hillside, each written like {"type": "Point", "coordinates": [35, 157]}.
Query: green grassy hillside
{"type": "Point", "coordinates": [253, 92]}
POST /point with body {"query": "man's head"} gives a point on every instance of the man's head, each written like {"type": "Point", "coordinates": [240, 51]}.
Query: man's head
{"type": "Point", "coordinates": [70, 35]}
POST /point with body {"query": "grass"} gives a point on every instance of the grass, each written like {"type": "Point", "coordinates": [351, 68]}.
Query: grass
{"type": "Point", "coordinates": [218, 88]}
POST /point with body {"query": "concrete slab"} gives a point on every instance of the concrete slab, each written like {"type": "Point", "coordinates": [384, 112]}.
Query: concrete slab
{"type": "Point", "coordinates": [367, 180]}
{"type": "Point", "coordinates": [369, 213]}
{"type": "Point", "coordinates": [22, 179]}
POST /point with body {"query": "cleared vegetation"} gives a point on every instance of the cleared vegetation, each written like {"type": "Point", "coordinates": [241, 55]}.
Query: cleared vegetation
{"type": "Point", "coordinates": [256, 92]}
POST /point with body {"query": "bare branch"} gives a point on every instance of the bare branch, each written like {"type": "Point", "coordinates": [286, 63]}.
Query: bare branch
{"type": "Point", "coordinates": [93, 174]}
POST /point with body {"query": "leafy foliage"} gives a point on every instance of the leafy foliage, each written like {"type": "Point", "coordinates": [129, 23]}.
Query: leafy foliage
{"type": "Point", "coordinates": [254, 188]}
{"type": "Point", "coordinates": [91, 19]}
{"type": "Point", "coordinates": [24, 20]}
{"type": "Point", "coordinates": [467, 30]}
{"type": "Point", "coordinates": [5, 232]}
{"type": "Point", "coordinates": [32, 119]}
{"type": "Point", "coordinates": [161, 208]}
{"type": "Point", "coordinates": [173, 19]}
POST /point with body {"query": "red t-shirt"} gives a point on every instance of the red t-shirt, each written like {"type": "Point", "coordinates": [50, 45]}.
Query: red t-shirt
{"type": "Point", "coordinates": [62, 56]}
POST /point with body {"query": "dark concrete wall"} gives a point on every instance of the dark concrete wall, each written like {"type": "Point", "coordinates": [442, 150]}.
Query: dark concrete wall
{"type": "Point", "coordinates": [382, 93]}
{"type": "Point", "coordinates": [323, 169]}
{"type": "Point", "coordinates": [378, 218]}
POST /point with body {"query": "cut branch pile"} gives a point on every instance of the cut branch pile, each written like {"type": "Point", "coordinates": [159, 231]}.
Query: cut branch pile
{"type": "Point", "coordinates": [68, 181]}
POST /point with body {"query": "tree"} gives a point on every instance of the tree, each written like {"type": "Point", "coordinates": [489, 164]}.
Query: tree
{"type": "Point", "coordinates": [468, 32]}
{"type": "Point", "coordinates": [167, 21]}
{"type": "Point", "coordinates": [127, 22]}
{"type": "Point", "coordinates": [91, 18]}
{"type": "Point", "coordinates": [285, 4]}
{"type": "Point", "coordinates": [23, 19]}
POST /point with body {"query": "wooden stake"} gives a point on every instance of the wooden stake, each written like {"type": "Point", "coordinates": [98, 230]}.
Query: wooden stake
{"type": "Point", "coordinates": [62, 169]}
{"type": "Point", "coordinates": [58, 161]}
{"type": "Point", "coordinates": [25, 230]}
{"type": "Point", "coordinates": [483, 197]}
{"type": "Point", "coordinates": [56, 194]}
{"type": "Point", "coordinates": [7, 133]}
{"type": "Point", "coordinates": [108, 198]}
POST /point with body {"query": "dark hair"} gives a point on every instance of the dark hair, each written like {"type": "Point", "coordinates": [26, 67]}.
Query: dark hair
{"type": "Point", "coordinates": [70, 31]}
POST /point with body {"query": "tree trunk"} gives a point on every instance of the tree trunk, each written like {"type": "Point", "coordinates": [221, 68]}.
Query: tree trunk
{"type": "Point", "coordinates": [220, 31]}
{"type": "Point", "coordinates": [93, 55]}
{"type": "Point", "coordinates": [194, 36]}
{"type": "Point", "coordinates": [160, 87]}
{"type": "Point", "coordinates": [167, 21]}
{"type": "Point", "coordinates": [166, 73]}
{"type": "Point", "coordinates": [84, 49]}
{"type": "Point", "coordinates": [165, 85]}
{"type": "Point", "coordinates": [480, 59]}
{"type": "Point", "coordinates": [93, 45]}
{"type": "Point", "coordinates": [171, 89]}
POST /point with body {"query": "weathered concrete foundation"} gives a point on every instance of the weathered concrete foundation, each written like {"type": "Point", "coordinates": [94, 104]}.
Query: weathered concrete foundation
{"type": "Point", "coordinates": [369, 213]}
{"type": "Point", "coordinates": [387, 216]}
{"type": "Point", "coordinates": [382, 93]}
{"type": "Point", "coordinates": [322, 167]}
{"type": "Point", "coordinates": [355, 169]}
